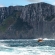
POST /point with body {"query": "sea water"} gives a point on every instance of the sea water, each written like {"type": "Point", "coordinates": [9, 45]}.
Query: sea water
{"type": "Point", "coordinates": [27, 47]}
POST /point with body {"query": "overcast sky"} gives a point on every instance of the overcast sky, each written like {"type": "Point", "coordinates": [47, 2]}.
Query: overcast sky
{"type": "Point", "coordinates": [23, 2]}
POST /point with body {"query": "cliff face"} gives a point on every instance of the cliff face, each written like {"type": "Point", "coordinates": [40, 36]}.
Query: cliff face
{"type": "Point", "coordinates": [30, 21]}
{"type": "Point", "coordinates": [7, 11]}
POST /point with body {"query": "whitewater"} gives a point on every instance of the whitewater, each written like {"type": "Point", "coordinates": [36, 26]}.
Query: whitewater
{"type": "Point", "coordinates": [27, 47]}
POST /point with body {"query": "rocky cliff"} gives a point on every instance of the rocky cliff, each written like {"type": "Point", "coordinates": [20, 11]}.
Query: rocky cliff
{"type": "Point", "coordinates": [27, 22]}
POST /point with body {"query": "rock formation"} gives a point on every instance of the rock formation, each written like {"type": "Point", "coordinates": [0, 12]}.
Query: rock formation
{"type": "Point", "coordinates": [27, 22]}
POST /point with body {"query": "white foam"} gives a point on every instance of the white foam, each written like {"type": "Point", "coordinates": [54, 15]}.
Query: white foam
{"type": "Point", "coordinates": [38, 50]}
{"type": "Point", "coordinates": [44, 39]}
{"type": "Point", "coordinates": [3, 45]}
{"type": "Point", "coordinates": [48, 39]}
{"type": "Point", "coordinates": [28, 50]}
{"type": "Point", "coordinates": [7, 53]}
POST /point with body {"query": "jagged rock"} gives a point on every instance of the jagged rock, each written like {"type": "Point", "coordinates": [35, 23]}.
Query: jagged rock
{"type": "Point", "coordinates": [30, 21]}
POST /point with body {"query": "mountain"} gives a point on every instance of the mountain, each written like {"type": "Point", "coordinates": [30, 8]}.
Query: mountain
{"type": "Point", "coordinates": [27, 22]}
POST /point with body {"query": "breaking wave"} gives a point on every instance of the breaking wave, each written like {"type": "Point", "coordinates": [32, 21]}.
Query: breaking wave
{"type": "Point", "coordinates": [27, 47]}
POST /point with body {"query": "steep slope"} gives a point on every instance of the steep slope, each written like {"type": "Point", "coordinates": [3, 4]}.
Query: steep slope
{"type": "Point", "coordinates": [41, 17]}
{"type": "Point", "coordinates": [13, 24]}
{"type": "Point", "coordinates": [30, 21]}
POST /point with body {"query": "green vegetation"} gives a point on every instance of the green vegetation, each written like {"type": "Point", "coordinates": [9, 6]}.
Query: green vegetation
{"type": "Point", "coordinates": [9, 20]}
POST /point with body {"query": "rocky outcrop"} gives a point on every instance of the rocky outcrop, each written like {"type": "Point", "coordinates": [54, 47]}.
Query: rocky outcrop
{"type": "Point", "coordinates": [7, 11]}
{"type": "Point", "coordinates": [41, 17]}
{"type": "Point", "coordinates": [30, 21]}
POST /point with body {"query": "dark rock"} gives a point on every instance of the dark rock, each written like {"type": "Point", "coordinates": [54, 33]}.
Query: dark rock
{"type": "Point", "coordinates": [27, 22]}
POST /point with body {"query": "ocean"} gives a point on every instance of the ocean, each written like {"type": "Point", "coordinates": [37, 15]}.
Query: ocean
{"type": "Point", "coordinates": [27, 47]}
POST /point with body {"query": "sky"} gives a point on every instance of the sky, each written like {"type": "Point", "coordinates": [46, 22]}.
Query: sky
{"type": "Point", "coordinates": [7, 3]}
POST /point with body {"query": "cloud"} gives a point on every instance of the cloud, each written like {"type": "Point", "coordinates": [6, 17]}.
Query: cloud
{"type": "Point", "coordinates": [1, 5]}
{"type": "Point", "coordinates": [34, 1]}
